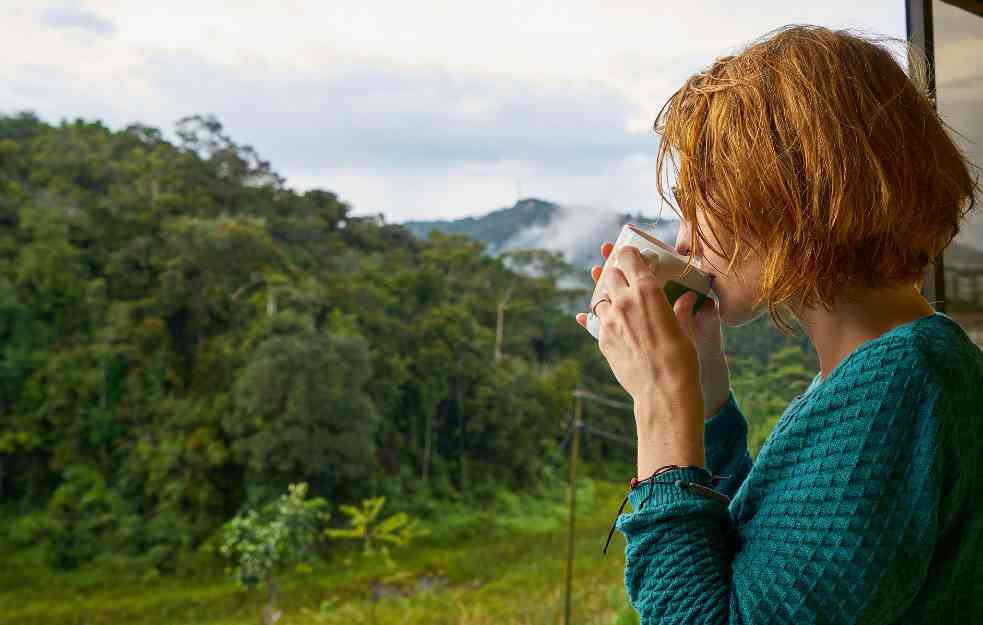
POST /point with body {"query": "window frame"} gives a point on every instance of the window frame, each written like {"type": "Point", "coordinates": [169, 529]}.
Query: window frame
{"type": "Point", "coordinates": [921, 35]}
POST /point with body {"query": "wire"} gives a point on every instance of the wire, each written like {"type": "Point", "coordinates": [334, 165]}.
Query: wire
{"type": "Point", "coordinates": [566, 438]}
{"type": "Point", "coordinates": [610, 436]}
{"type": "Point", "coordinates": [603, 400]}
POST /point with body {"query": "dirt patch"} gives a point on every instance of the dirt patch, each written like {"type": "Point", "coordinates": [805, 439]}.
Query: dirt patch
{"type": "Point", "coordinates": [423, 583]}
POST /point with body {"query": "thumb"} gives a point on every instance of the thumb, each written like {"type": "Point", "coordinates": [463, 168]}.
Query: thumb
{"type": "Point", "coordinates": [683, 307]}
{"type": "Point", "coordinates": [701, 324]}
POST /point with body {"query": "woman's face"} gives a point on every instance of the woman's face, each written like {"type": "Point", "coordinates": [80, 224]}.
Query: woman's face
{"type": "Point", "coordinates": [734, 293]}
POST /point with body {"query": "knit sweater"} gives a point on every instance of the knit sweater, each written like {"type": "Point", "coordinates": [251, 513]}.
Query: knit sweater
{"type": "Point", "coordinates": [860, 507]}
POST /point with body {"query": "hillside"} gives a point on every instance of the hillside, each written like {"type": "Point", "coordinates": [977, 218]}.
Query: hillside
{"type": "Point", "coordinates": [576, 231]}
{"type": "Point", "coordinates": [579, 231]}
{"type": "Point", "coordinates": [496, 227]}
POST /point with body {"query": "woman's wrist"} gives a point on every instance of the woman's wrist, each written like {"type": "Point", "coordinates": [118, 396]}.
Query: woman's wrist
{"type": "Point", "coordinates": [669, 430]}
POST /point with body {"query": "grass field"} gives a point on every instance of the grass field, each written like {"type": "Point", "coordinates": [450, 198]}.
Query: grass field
{"type": "Point", "coordinates": [502, 577]}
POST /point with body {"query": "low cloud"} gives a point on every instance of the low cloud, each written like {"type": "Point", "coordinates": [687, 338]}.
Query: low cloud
{"type": "Point", "coordinates": [371, 116]}
{"type": "Point", "coordinates": [577, 231]}
{"type": "Point", "coordinates": [573, 230]}
{"type": "Point", "coordinates": [410, 143]}
{"type": "Point", "coordinates": [396, 112]}
{"type": "Point", "coordinates": [69, 17]}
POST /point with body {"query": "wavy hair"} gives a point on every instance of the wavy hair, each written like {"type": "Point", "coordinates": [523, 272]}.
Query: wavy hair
{"type": "Point", "coordinates": [813, 149]}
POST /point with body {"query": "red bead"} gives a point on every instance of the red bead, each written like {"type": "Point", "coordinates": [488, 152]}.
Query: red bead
{"type": "Point", "coordinates": [634, 482]}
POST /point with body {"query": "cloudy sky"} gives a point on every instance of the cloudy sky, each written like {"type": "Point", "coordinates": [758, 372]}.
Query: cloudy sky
{"type": "Point", "coordinates": [417, 110]}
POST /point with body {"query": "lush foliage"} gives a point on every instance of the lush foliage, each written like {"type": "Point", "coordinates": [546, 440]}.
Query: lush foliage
{"type": "Point", "coordinates": [262, 543]}
{"type": "Point", "coordinates": [182, 336]}
{"type": "Point", "coordinates": [376, 535]}
{"type": "Point", "coordinates": [468, 572]}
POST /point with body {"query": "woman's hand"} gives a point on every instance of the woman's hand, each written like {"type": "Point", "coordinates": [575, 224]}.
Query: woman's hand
{"type": "Point", "coordinates": [640, 337]}
{"type": "Point", "coordinates": [653, 359]}
{"type": "Point", "coordinates": [704, 330]}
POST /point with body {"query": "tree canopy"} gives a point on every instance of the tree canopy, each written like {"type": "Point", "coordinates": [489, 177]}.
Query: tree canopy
{"type": "Point", "coordinates": [182, 336]}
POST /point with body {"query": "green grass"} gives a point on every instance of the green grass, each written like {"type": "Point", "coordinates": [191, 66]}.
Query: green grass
{"type": "Point", "coordinates": [511, 572]}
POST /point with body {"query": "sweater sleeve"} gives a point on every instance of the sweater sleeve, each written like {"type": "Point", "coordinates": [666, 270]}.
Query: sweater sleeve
{"type": "Point", "coordinates": [725, 446]}
{"type": "Point", "coordinates": [839, 522]}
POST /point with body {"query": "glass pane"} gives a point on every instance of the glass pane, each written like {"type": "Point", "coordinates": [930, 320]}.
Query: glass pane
{"type": "Point", "coordinates": [959, 88]}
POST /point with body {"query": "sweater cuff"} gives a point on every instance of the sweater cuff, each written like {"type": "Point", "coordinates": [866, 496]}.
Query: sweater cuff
{"type": "Point", "coordinates": [722, 431]}
{"type": "Point", "coordinates": [724, 420]}
{"type": "Point", "coordinates": [663, 491]}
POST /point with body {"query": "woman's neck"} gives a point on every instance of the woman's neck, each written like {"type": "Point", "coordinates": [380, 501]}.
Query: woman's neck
{"type": "Point", "coordinates": [834, 334]}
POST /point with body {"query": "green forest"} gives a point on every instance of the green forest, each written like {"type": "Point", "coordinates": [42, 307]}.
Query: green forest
{"type": "Point", "coordinates": [183, 336]}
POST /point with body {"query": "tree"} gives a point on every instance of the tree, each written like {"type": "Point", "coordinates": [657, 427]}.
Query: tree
{"type": "Point", "coordinates": [236, 170]}
{"type": "Point", "coordinates": [300, 409]}
{"type": "Point", "coordinates": [262, 544]}
{"type": "Point", "coordinates": [374, 535]}
{"type": "Point", "coordinates": [452, 352]}
{"type": "Point", "coordinates": [181, 336]}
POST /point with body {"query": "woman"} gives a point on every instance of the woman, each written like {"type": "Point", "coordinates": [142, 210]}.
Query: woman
{"type": "Point", "coordinates": [815, 179]}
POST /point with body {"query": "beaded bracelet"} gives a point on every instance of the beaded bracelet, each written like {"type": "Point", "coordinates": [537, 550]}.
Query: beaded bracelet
{"type": "Point", "coordinates": [692, 487]}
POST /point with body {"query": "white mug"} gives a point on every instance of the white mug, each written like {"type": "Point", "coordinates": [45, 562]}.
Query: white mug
{"type": "Point", "coordinates": [671, 268]}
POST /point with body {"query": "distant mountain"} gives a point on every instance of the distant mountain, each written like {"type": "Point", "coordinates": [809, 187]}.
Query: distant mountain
{"type": "Point", "coordinates": [496, 227]}
{"type": "Point", "coordinates": [576, 231]}
{"type": "Point", "coordinates": [579, 231]}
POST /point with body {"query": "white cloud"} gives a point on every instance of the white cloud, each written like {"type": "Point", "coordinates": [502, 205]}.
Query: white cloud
{"type": "Point", "coordinates": [69, 16]}
{"type": "Point", "coordinates": [423, 109]}
{"type": "Point", "coordinates": [374, 117]}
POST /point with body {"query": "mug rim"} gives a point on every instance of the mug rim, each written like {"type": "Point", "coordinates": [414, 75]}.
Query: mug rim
{"type": "Point", "coordinates": [637, 229]}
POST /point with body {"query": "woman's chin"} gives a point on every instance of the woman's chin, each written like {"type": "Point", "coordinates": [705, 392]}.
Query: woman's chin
{"type": "Point", "coordinates": [735, 316]}
{"type": "Point", "coordinates": [723, 309]}
{"type": "Point", "coordinates": [727, 317]}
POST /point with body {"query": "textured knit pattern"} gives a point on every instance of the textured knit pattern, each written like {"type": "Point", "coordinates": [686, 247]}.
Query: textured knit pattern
{"type": "Point", "coordinates": [861, 506]}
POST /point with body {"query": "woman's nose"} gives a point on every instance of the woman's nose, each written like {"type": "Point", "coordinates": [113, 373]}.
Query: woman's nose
{"type": "Point", "coordinates": [682, 240]}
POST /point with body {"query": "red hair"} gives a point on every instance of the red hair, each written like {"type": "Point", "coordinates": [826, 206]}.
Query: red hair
{"type": "Point", "coordinates": [814, 149]}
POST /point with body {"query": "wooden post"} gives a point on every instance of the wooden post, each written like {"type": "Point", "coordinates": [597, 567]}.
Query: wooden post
{"type": "Point", "coordinates": [500, 323]}
{"type": "Point", "coordinates": [574, 452]}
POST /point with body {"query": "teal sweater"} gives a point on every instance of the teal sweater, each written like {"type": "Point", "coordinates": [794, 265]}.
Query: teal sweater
{"type": "Point", "coordinates": [862, 506]}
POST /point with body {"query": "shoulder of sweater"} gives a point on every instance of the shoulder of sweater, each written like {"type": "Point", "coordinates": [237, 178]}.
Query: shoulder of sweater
{"type": "Point", "coordinates": [892, 371]}
{"type": "Point", "coordinates": [931, 367]}
{"type": "Point", "coordinates": [936, 347]}
{"type": "Point", "coordinates": [950, 356]}
{"type": "Point", "coordinates": [955, 367]}
{"type": "Point", "coordinates": [881, 410]}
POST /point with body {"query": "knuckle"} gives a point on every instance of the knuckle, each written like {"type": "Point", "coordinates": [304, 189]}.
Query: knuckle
{"type": "Point", "coordinates": [652, 259]}
{"type": "Point", "coordinates": [604, 343]}
{"type": "Point", "coordinates": [648, 285]}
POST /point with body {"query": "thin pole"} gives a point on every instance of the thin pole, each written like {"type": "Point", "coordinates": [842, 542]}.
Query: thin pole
{"type": "Point", "coordinates": [920, 25]}
{"type": "Point", "coordinates": [574, 452]}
